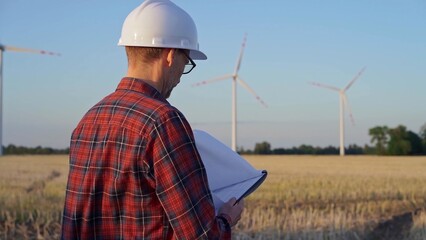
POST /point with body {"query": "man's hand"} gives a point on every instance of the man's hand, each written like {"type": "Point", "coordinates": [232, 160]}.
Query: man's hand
{"type": "Point", "coordinates": [232, 210]}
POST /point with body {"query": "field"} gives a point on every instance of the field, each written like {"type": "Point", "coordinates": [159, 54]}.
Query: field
{"type": "Point", "coordinates": [304, 197]}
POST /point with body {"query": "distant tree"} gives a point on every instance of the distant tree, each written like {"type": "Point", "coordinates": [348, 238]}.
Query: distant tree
{"type": "Point", "coordinates": [306, 149]}
{"type": "Point", "coordinates": [422, 135]}
{"type": "Point", "coordinates": [330, 150]}
{"type": "Point", "coordinates": [379, 137]}
{"type": "Point", "coordinates": [11, 149]}
{"type": "Point", "coordinates": [354, 149]}
{"type": "Point", "coordinates": [242, 150]}
{"type": "Point", "coordinates": [262, 148]}
{"type": "Point", "coordinates": [416, 143]}
{"type": "Point", "coordinates": [399, 143]}
{"type": "Point", "coordinates": [369, 150]}
{"type": "Point", "coordinates": [279, 151]}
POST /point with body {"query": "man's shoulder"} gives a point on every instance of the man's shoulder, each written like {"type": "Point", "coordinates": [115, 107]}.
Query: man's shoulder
{"type": "Point", "coordinates": [155, 108]}
{"type": "Point", "coordinates": [132, 108]}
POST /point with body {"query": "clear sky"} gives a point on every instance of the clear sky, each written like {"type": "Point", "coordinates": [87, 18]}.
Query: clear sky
{"type": "Point", "coordinates": [289, 43]}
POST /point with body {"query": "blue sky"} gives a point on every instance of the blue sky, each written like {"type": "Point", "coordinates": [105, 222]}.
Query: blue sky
{"type": "Point", "coordinates": [289, 43]}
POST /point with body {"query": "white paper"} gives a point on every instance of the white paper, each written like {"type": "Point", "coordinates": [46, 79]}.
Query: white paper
{"type": "Point", "coordinates": [229, 174]}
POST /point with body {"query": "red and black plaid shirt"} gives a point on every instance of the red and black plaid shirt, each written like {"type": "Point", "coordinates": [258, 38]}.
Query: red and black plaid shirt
{"type": "Point", "coordinates": [135, 172]}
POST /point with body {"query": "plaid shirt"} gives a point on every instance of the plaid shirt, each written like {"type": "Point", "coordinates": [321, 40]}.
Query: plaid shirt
{"type": "Point", "coordinates": [135, 172]}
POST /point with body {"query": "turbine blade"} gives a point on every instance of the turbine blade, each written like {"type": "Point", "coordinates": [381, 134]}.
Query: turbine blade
{"type": "Point", "coordinates": [243, 45]}
{"type": "Point", "coordinates": [324, 86]}
{"type": "Point", "coordinates": [212, 80]}
{"type": "Point", "coordinates": [28, 50]}
{"type": "Point", "coordinates": [347, 106]}
{"type": "Point", "coordinates": [353, 80]}
{"type": "Point", "coordinates": [246, 86]}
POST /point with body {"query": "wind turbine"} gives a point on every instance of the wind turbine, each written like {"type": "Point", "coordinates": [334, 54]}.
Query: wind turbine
{"type": "Point", "coordinates": [235, 78]}
{"type": "Point", "coordinates": [343, 102]}
{"type": "Point", "coordinates": [4, 48]}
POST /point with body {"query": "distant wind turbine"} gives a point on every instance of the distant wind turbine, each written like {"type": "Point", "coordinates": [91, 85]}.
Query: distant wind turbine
{"type": "Point", "coordinates": [235, 79]}
{"type": "Point", "coordinates": [4, 48]}
{"type": "Point", "coordinates": [343, 104]}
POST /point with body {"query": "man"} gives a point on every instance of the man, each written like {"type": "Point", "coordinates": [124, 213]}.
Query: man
{"type": "Point", "coordinates": [135, 172]}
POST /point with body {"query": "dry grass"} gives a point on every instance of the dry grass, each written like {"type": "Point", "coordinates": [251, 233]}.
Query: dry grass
{"type": "Point", "coordinates": [31, 196]}
{"type": "Point", "coordinates": [304, 197]}
{"type": "Point", "coordinates": [329, 197]}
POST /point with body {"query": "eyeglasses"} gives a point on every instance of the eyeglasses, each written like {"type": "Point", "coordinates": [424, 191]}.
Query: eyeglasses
{"type": "Point", "coordinates": [190, 65]}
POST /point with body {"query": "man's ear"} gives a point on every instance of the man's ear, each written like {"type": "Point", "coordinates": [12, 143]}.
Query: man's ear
{"type": "Point", "coordinates": [170, 56]}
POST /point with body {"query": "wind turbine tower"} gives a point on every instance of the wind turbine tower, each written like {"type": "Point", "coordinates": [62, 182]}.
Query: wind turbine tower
{"type": "Point", "coordinates": [343, 103]}
{"type": "Point", "coordinates": [4, 48]}
{"type": "Point", "coordinates": [235, 78]}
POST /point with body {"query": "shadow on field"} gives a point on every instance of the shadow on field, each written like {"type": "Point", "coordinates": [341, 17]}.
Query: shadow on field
{"type": "Point", "coordinates": [396, 228]}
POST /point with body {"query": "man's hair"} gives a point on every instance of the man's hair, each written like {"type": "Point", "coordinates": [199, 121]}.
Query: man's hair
{"type": "Point", "coordinates": [142, 54]}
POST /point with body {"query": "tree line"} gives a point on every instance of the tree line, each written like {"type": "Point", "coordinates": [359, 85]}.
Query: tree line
{"type": "Point", "coordinates": [385, 140]}
{"type": "Point", "coordinates": [21, 150]}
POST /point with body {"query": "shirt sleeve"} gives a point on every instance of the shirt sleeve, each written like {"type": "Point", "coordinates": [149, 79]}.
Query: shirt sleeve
{"type": "Point", "coordinates": [181, 181]}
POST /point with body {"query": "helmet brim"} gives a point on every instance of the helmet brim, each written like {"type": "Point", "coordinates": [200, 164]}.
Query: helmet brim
{"type": "Point", "coordinates": [197, 55]}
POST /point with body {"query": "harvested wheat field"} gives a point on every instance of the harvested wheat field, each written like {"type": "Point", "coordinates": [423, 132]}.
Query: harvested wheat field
{"type": "Point", "coordinates": [304, 197]}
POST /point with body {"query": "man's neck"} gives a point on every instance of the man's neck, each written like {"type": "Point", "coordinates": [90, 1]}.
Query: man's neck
{"type": "Point", "coordinates": [147, 75]}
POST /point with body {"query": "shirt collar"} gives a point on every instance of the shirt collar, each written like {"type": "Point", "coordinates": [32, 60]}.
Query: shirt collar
{"type": "Point", "coordinates": [139, 85]}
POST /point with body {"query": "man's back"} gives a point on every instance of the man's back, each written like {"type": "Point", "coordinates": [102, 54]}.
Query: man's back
{"type": "Point", "coordinates": [122, 168]}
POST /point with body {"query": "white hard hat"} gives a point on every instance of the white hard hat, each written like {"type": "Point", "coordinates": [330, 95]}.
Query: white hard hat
{"type": "Point", "coordinates": [161, 23]}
